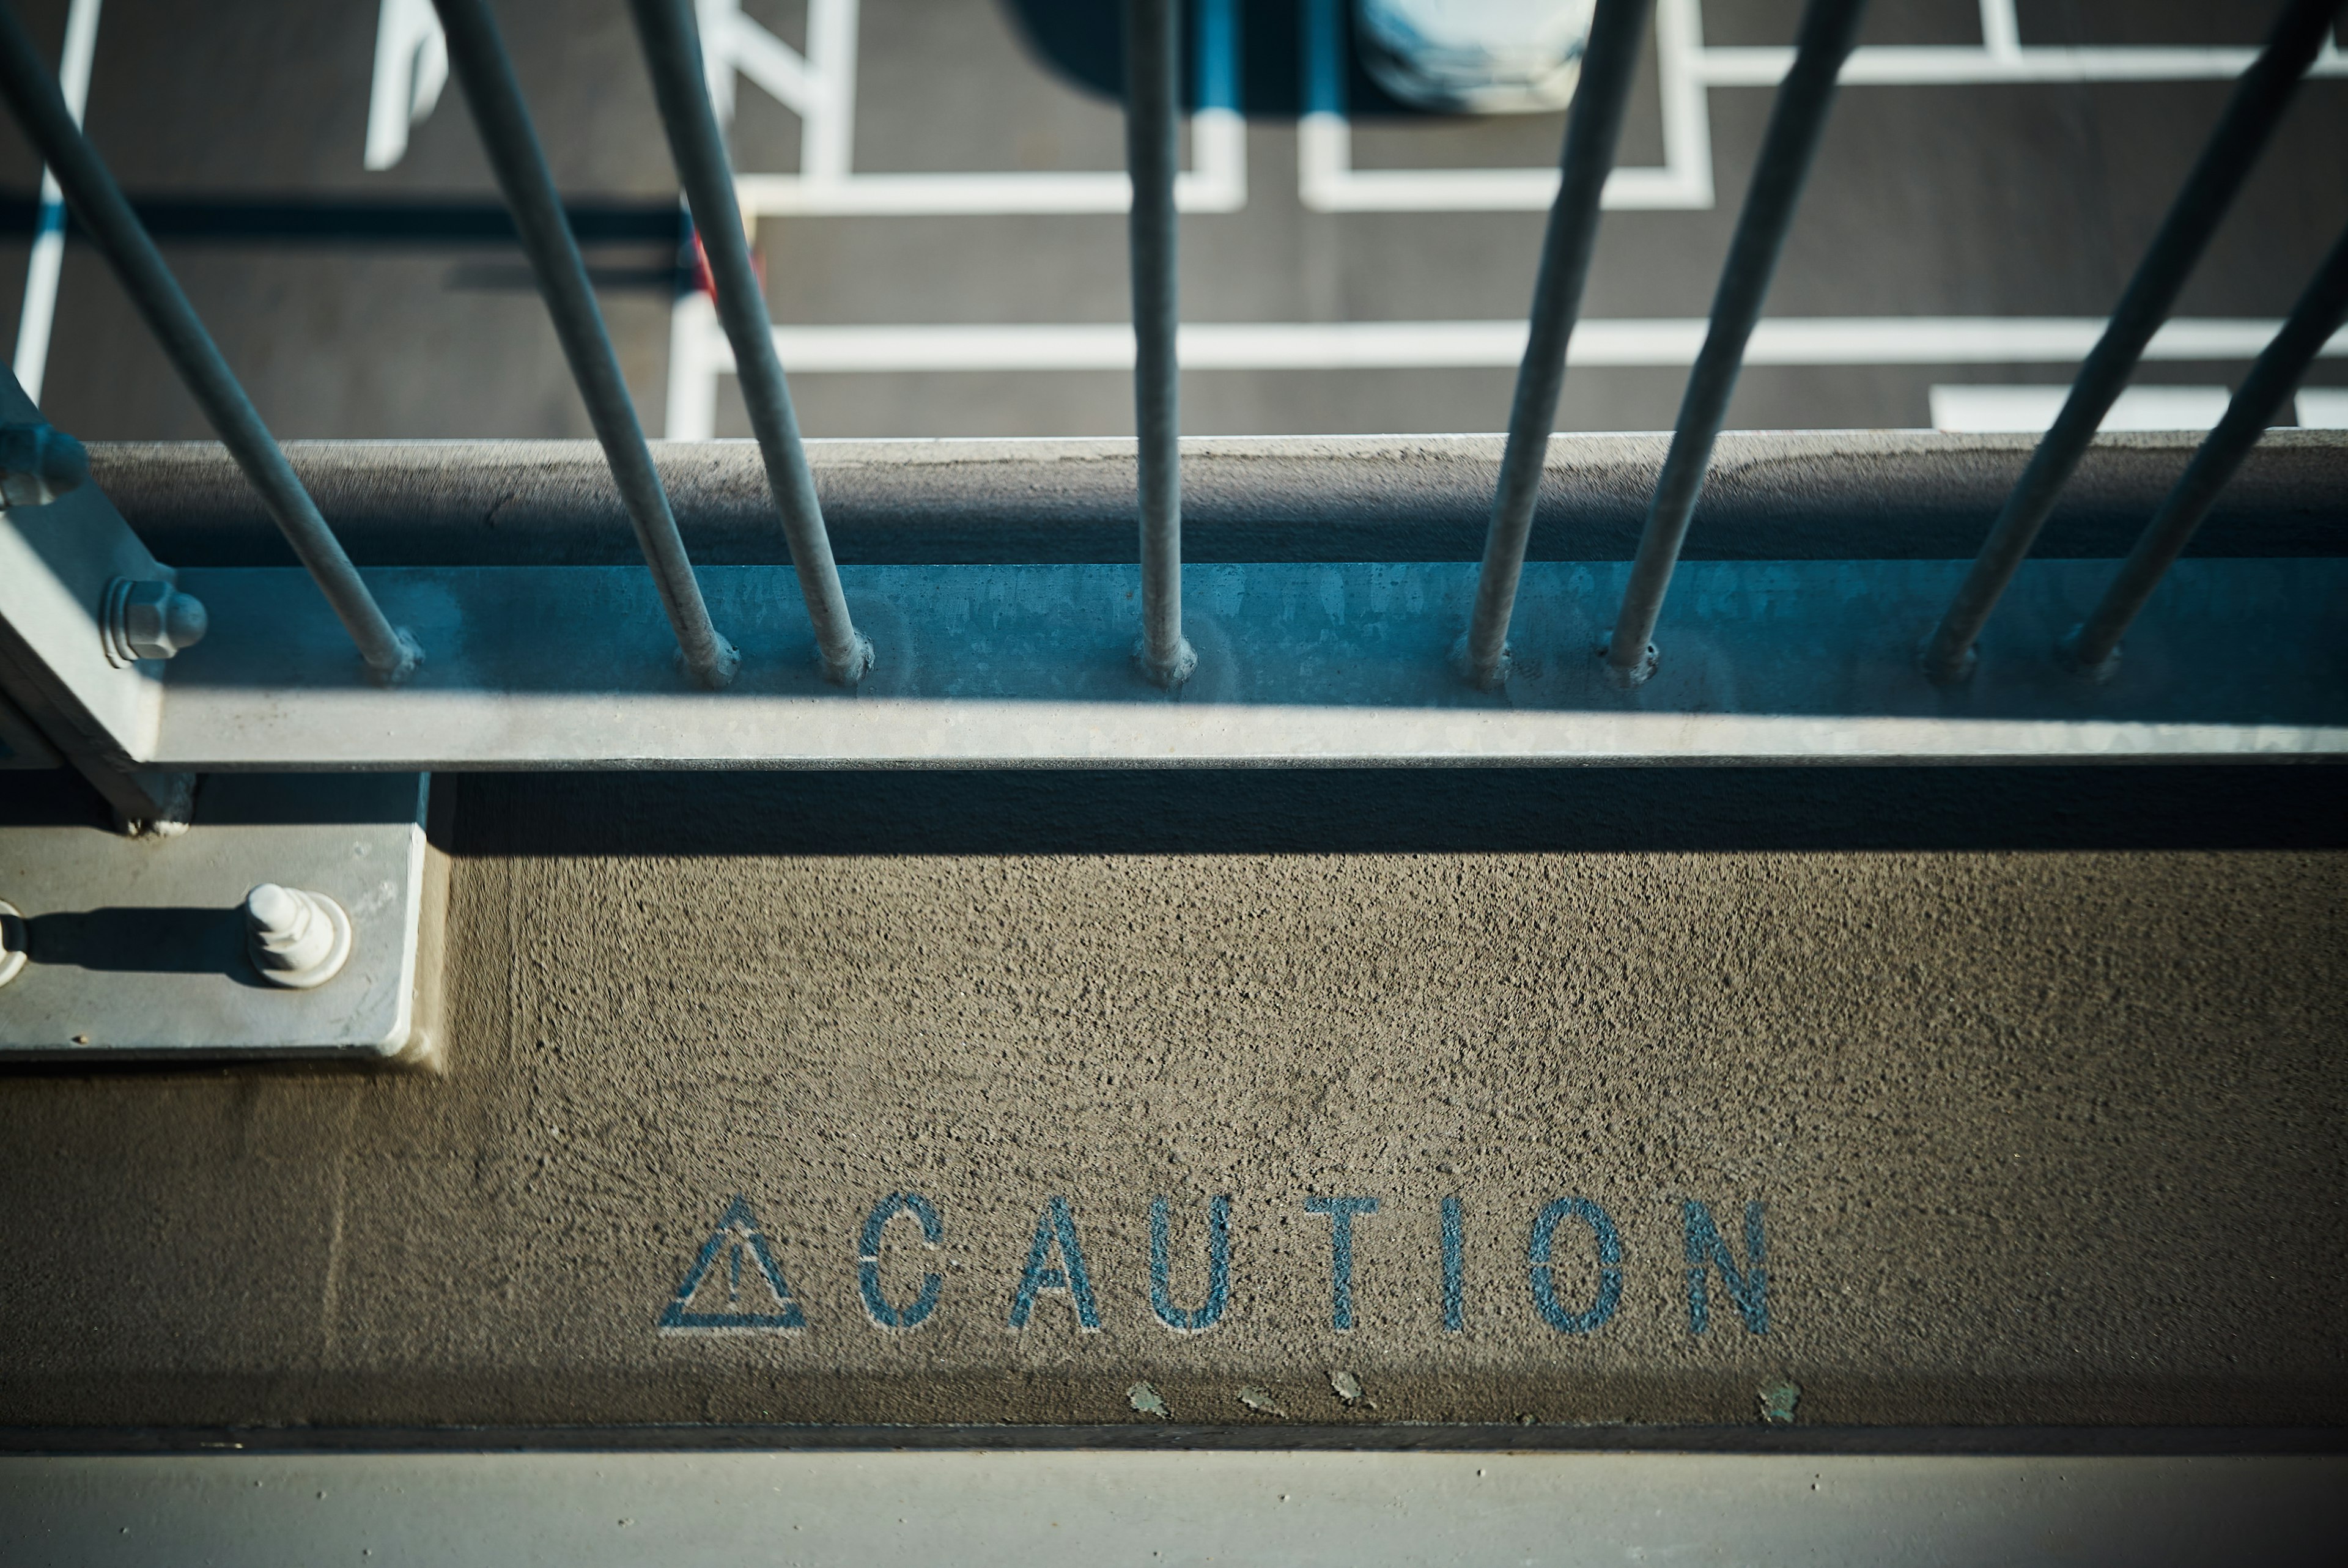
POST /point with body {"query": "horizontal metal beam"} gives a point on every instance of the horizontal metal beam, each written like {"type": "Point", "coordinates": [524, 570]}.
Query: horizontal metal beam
{"type": "Point", "coordinates": [1791, 661]}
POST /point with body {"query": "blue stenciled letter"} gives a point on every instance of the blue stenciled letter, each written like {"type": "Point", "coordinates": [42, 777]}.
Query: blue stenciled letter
{"type": "Point", "coordinates": [1544, 1279]}
{"type": "Point", "coordinates": [1219, 1265]}
{"type": "Point", "coordinates": [868, 1263]}
{"type": "Point", "coordinates": [1055, 1225]}
{"type": "Point", "coordinates": [1749, 1289]}
{"type": "Point", "coordinates": [1455, 1268]}
{"type": "Point", "coordinates": [1341, 1212]}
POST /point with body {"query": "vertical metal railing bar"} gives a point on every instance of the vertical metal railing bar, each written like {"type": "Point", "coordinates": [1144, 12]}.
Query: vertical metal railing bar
{"type": "Point", "coordinates": [1593, 130]}
{"type": "Point", "coordinates": [2258, 102]}
{"type": "Point", "coordinates": [1797, 122]}
{"type": "Point", "coordinates": [391, 654]}
{"type": "Point", "coordinates": [478, 56]}
{"type": "Point", "coordinates": [2094, 646]}
{"type": "Point", "coordinates": [673, 52]}
{"type": "Point", "coordinates": [1153, 74]}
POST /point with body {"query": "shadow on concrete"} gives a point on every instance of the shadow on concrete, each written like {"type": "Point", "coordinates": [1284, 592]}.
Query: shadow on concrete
{"type": "Point", "coordinates": [1398, 811]}
{"type": "Point", "coordinates": [170, 940]}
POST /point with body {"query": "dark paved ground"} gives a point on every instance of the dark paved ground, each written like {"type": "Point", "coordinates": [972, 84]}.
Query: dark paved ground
{"type": "Point", "coordinates": [1993, 200]}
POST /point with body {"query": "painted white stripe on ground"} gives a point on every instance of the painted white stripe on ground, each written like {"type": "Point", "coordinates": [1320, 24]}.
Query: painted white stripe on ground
{"type": "Point", "coordinates": [1397, 345]}
{"type": "Point", "coordinates": [2324, 408]}
{"type": "Point", "coordinates": [39, 311]}
{"type": "Point", "coordinates": [1219, 184]}
{"type": "Point", "coordinates": [824, 95]}
{"type": "Point", "coordinates": [411, 66]}
{"type": "Point", "coordinates": [1981, 407]}
{"type": "Point", "coordinates": [1686, 71]}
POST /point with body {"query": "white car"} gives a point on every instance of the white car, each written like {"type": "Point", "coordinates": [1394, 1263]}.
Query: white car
{"type": "Point", "coordinates": [1475, 56]}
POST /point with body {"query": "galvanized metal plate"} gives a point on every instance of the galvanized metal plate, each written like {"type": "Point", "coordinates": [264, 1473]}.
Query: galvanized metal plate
{"type": "Point", "coordinates": [137, 945]}
{"type": "Point", "coordinates": [1800, 661]}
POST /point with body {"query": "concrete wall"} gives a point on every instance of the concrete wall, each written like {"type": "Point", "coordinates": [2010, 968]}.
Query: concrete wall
{"type": "Point", "coordinates": [2032, 1073]}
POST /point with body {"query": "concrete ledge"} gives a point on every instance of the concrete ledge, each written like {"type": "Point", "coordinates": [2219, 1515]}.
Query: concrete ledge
{"type": "Point", "coordinates": [1046, 1510]}
{"type": "Point", "coordinates": [2028, 1136]}
{"type": "Point", "coordinates": [1772, 495]}
{"type": "Point", "coordinates": [1361, 1437]}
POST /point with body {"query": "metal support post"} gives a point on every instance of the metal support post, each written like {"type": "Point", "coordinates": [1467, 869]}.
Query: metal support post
{"type": "Point", "coordinates": [1797, 122]}
{"type": "Point", "coordinates": [1153, 74]}
{"type": "Point", "coordinates": [32, 93]}
{"type": "Point", "coordinates": [477, 55]}
{"type": "Point", "coordinates": [1591, 132]}
{"type": "Point", "coordinates": [673, 51]}
{"type": "Point", "coordinates": [2094, 646]}
{"type": "Point", "coordinates": [2242, 132]}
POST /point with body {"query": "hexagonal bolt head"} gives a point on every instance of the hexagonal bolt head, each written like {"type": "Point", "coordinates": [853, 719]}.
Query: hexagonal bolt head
{"type": "Point", "coordinates": [296, 939]}
{"type": "Point", "coordinates": [149, 621]}
{"type": "Point", "coordinates": [38, 463]}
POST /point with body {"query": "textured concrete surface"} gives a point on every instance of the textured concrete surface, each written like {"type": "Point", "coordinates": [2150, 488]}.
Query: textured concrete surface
{"type": "Point", "coordinates": [1022, 1510]}
{"type": "Point", "coordinates": [2042, 1134]}
{"type": "Point", "coordinates": [1869, 494]}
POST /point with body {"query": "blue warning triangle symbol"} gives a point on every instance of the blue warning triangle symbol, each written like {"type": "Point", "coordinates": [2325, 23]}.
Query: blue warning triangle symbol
{"type": "Point", "coordinates": [759, 1301]}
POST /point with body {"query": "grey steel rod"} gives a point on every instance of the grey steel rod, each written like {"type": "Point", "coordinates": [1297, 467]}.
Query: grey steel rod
{"type": "Point", "coordinates": [2242, 132]}
{"type": "Point", "coordinates": [1153, 74]}
{"type": "Point", "coordinates": [673, 52]}
{"type": "Point", "coordinates": [1798, 121]}
{"type": "Point", "coordinates": [1592, 130]}
{"type": "Point", "coordinates": [2094, 646]}
{"type": "Point", "coordinates": [391, 654]}
{"type": "Point", "coordinates": [478, 56]}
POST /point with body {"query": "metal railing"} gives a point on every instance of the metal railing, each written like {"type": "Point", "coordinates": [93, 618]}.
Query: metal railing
{"type": "Point", "coordinates": [2242, 133]}
{"type": "Point", "coordinates": [1626, 659]}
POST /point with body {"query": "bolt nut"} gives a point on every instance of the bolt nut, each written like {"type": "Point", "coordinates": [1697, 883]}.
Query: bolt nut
{"type": "Point", "coordinates": [149, 621]}
{"type": "Point", "coordinates": [38, 463]}
{"type": "Point", "coordinates": [296, 939]}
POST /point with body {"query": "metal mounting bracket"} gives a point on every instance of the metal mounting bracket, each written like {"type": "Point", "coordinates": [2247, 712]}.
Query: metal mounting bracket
{"type": "Point", "coordinates": [146, 948]}
{"type": "Point", "coordinates": [69, 571]}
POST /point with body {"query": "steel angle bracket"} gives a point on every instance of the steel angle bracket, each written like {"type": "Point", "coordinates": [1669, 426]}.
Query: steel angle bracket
{"type": "Point", "coordinates": [116, 947]}
{"type": "Point", "coordinates": [68, 563]}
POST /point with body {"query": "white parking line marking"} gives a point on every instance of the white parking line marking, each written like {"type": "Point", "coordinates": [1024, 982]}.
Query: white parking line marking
{"type": "Point", "coordinates": [1975, 406]}
{"type": "Point", "coordinates": [819, 86]}
{"type": "Point", "coordinates": [411, 66]}
{"type": "Point", "coordinates": [1326, 180]}
{"type": "Point", "coordinates": [2324, 408]}
{"type": "Point", "coordinates": [827, 182]}
{"type": "Point", "coordinates": [39, 312]}
{"type": "Point", "coordinates": [1688, 69]}
{"type": "Point", "coordinates": [698, 353]}
{"type": "Point", "coordinates": [1388, 346]}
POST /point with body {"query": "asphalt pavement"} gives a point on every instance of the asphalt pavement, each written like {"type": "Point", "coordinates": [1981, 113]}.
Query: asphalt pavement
{"type": "Point", "coordinates": [362, 303]}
